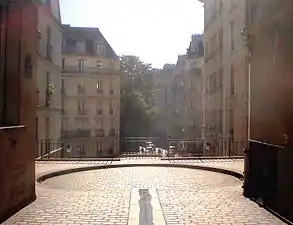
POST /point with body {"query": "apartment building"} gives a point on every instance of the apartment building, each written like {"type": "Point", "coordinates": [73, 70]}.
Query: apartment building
{"type": "Point", "coordinates": [163, 100]}
{"type": "Point", "coordinates": [226, 70]}
{"type": "Point", "coordinates": [178, 109]}
{"type": "Point", "coordinates": [48, 78]}
{"type": "Point", "coordinates": [193, 88]}
{"type": "Point", "coordinates": [90, 90]}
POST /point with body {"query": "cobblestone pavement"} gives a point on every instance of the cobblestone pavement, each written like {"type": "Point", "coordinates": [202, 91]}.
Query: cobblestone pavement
{"type": "Point", "coordinates": [102, 197]}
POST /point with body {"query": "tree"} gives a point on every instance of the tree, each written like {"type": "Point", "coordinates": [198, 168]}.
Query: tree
{"type": "Point", "coordinates": [137, 94]}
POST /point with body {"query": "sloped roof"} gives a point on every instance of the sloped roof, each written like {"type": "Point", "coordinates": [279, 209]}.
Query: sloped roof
{"type": "Point", "coordinates": [93, 34]}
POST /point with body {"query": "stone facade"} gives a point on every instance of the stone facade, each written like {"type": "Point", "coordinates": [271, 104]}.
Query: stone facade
{"type": "Point", "coordinates": [226, 70]}
{"type": "Point", "coordinates": [193, 88]}
{"type": "Point", "coordinates": [18, 38]}
{"type": "Point", "coordinates": [49, 73]}
{"type": "Point", "coordinates": [90, 93]}
{"type": "Point", "coordinates": [164, 100]}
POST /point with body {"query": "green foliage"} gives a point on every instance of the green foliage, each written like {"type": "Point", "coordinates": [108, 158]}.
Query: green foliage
{"type": "Point", "coordinates": [137, 95]}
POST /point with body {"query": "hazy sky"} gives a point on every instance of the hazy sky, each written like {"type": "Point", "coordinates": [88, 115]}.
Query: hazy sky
{"type": "Point", "coordinates": [155, 30]}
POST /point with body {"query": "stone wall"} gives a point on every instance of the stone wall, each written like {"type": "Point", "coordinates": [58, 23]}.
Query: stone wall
{"type": "Point", "coordinates": [17, 130]}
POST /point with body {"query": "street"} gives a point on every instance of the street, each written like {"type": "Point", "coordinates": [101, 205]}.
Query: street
{"type": "Point", "coordinates": [186, 197]}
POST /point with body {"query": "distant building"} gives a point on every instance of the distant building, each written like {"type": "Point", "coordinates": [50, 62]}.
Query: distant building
{"type": "Point", "coordinates": [49, 76]}
{"type": "Point", "coordinates": [193, 88]}
{"type": "Point", "coordinates": [226, 80]}
{"type": "Point", "coordinates": [178, 109]}
{"type": "Point", "coordinates": [163, 100]}
{"type": "Point", "coordinates": [90, 90]}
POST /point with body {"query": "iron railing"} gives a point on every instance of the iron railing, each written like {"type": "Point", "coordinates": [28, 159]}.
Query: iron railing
{"type": "Point", "coordinates": [268, 177]}
{"type": "Point", "coordinates": [186, 148]}
{"type": "Point", "coordinates": [76, 148]}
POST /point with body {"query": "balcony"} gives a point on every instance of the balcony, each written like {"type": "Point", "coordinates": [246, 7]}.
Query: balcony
{"type": "Point", "coordinates": [100, 133]}
{"type": "Point", "coordinates": [76, 134]}
{"type": "Point", "coordinates": [89, 70]}
{"type": "Point", "coordinates": [112, 133]}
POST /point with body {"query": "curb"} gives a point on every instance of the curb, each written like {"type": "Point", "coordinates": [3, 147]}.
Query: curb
{"type": "Point", "coordinates": [202, 158]}
{"type": "Point", "coordinates": [77, 159]}
{"type": "Point", "coordinates": [44, 176]}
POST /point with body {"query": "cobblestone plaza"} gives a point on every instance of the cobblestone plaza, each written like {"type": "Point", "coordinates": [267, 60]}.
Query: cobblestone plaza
{"type": "Point", "coordinates": [102, 196]}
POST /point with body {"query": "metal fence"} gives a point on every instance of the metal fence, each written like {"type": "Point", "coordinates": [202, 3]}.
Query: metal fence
{"type": "Point", "coordinates": [185, 148]}
{"type": "Point", "coordinates": [269, 177]}
{"type": "Point", "coordinates": [206, 147]}
{"type": "Point", "coordinates": [76, 148]}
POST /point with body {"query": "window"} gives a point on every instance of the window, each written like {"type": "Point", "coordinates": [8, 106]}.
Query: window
{"type": "Point", "coordinates": [47, 91]}
{"type": "Point", "coordinates": [232, 36]}
{"type": "Point", "coordinates": [80, 46]}
{"type": "Point", "coordinates": [63, 63]}
{"type": "Point", "coordinates": [99, 64]}
{"type": "Point", "coordinates": [99, 107]}
{"type": "Point", "coordinates": [111, 91]}
{"type": "Point", "coordinates": [62, 87]}
{"type": "Point", "coordinates": [112, 123]}
{"type": "Point", "coordinates": [81, 107]}
{"type": "Point", "coordinates": [49, 47]}
{"type": "Point", "coordinates": [206, 50]}
{"type": "Point", "coordinates": [81, 63]}
{"type": "Point", "coordinates": [47, 128]}
{"type": "Point", "coordinates": [231, 120]}
{"type": "Point", "coordinates": [198, 71]}
{"type": "Point", "coordinates": [80, 88]}
{"type": "Point", "coordinates": [62, 107]}
{"type": "Point", "coordinates": [220, 77]}
{"type": "Point", "coordinates": [100, 49]}
{"type": "Point", "coordinates": [100, 124]}
{"type": "Point", "coordinates": [232, 88]}
{"type": "Point", "coordinates": [99, 87]}
{"type": "Point", "coordinates": [220, 121]}
{"type": "Point", "coordinates": [220, 41]}
{"type": "Point", "coordinates": [111, 110]}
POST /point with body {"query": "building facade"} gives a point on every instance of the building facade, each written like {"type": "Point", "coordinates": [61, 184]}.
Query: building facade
{"type": "Point", "coordinates": [90, 90]}
{"type": "Point", "coordinates": [178, 110]}
{"type": "Point", "coordinates": [226, 69]}
{"type": "Point", "coordinates": [193, 88]}
{"type": "Point", "coordinates": [18, 38]}
{"type": "Point", "coordinates": [163, 100]}
{"type": "Point", "coordinates": [48, 76]}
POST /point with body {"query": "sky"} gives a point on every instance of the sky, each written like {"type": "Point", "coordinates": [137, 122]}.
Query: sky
{"type": "Point", "coordinates": [155, 30]}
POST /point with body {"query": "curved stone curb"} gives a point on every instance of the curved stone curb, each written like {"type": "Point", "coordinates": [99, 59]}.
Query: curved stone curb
{"type": "Point", "coordinates": [44, 176]}
{"type": "Point", "coordinates": [202, 158]}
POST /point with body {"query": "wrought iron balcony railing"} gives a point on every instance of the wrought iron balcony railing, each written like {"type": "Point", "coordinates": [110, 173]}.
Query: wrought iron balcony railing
{"type": "Point", "coordinates": [76, 134]}
{"type": "Point", "coordinates": [89, 70]}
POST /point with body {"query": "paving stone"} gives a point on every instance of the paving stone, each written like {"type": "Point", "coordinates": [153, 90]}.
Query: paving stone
{"type": "Point", "coordinates": [102, 196]}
